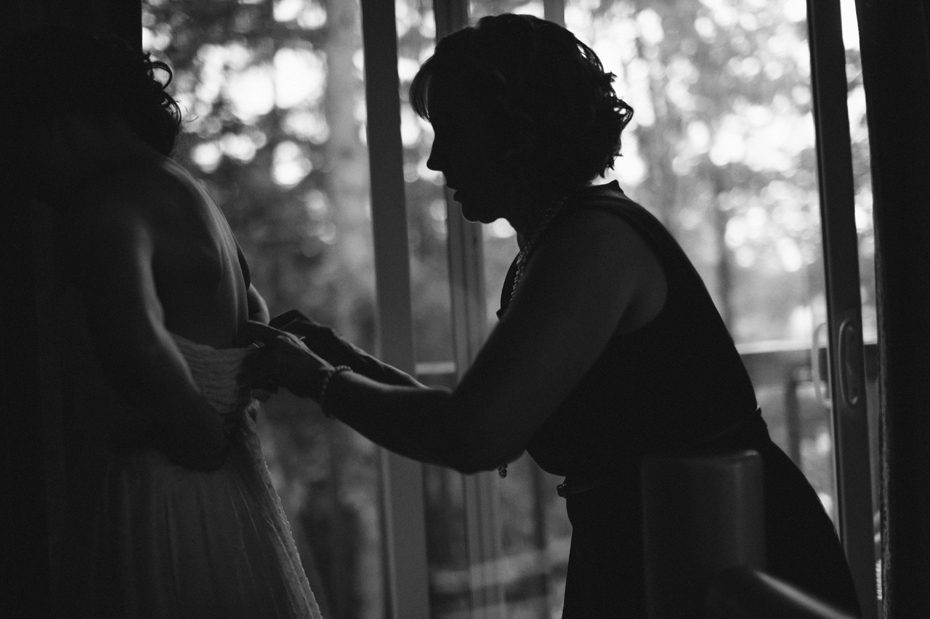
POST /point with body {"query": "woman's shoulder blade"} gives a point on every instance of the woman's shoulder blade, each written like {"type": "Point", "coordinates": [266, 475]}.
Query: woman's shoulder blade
{"type": "Point", "coordinates": [144, 193]}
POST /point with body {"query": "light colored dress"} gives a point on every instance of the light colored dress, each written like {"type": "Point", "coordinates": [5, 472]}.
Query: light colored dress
{"type": "Point", "coordinates": [169, 542]}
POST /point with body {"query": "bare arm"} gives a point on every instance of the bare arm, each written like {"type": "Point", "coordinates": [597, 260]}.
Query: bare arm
{"type": "Point", "coordinates": [126, 322]}
{"type": "Point", "coordinates": [590, 278]}
{"type": "Point", "coordinates": [258, 309]}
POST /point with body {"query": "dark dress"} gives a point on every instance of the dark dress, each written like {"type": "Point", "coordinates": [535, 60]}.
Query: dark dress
{"type": "Point", "coordinates": [676, 384]}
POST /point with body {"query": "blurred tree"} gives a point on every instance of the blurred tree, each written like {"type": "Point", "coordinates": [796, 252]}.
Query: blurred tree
{"type": "Point", "coordinates": [724, 140]}
{"type": "Point", "coordinates": [722, 145]}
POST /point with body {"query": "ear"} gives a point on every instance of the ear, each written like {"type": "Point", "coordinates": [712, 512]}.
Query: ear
{"type": "Point", "coordinates": [522, 145]}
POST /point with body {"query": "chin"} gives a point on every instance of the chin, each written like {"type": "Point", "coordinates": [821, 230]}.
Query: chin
{"type": "Point", "coordinates": [478, 216]}
{"type": "Point", "coordinates": [479, 213]}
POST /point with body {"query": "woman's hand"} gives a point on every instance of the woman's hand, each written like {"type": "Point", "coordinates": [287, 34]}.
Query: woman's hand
{"type": "Point", "coordinates": [322, 339]}
{"type": "Point", "coordinates": [338, 351]}
{"type": "Point", "coordinates": [284, 361]}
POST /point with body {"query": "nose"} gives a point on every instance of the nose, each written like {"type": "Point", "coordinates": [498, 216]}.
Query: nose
{"type": "Point", "coordinates": [434, 162]}
{"type": "Point", "coordinates": [438, 154]}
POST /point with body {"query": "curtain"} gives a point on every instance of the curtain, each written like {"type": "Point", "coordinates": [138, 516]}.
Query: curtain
{"type": "Point", "coordinates": [895, 45]}
{"type": "Point", "coordinates": [41, 372]}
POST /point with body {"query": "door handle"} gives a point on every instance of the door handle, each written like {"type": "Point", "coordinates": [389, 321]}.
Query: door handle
{"type": "Point", "coordinates": [849, 353]}
{"type": "Point", "coordinates": [822, 395]}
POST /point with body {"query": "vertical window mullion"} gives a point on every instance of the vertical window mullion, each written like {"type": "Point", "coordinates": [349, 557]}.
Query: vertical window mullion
{"type": "Point", "coordinates": [844, 304]}
{"type": "Point", "coordinates": [402, 479]}
{"type": "Point", "coordinates": [469, 328]}
{"type": "Point", "coordinates": [554, 11]}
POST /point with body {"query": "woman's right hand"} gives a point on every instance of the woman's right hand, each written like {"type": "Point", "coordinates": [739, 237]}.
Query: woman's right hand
{"type": "Point", "coordinates": [325, 342]}
{"type": "Point", "coordinates": [285, 361]}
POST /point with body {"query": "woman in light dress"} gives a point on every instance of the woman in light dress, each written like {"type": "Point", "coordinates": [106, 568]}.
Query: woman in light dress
{"type": "Point", "coordinates": [170, 510]}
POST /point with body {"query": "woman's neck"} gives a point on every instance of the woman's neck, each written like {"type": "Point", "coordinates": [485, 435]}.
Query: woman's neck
{"type": "Point", "coordinates": [536, 211]}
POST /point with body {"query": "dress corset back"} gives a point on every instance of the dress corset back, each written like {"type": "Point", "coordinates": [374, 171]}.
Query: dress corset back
{"type": "Point", "coordinates": [215, 372]}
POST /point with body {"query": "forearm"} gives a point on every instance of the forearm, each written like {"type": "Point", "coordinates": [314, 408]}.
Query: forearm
{"type": "Point", "coordinates": [416, 422]}
{"type": "Point", "coordinates": [329, 345]}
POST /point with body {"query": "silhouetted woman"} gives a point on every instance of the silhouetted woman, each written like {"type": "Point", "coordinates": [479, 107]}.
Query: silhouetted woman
{"type": "Point", "coordinates": [169, 510]}
{"type": "Point", "coordinates": [608, 347]}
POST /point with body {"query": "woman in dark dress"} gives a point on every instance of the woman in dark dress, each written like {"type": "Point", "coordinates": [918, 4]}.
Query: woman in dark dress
{"type": "Point", "coordinates": [608, 347]}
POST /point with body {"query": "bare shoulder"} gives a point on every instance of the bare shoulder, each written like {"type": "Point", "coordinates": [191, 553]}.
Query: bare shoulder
{"type": "Point", "coordinates": [155, 188]}
{"type": "Point", "coordinates": [598, 256]}
{"type": "Point", "coordinates": [597, 239]}
{"type": "Point", "coordinates": [156, 207]}
{"type": "Point", "coordinates": [141, 195]}
{"type": "Point", "coordinates": [601, 230]}
{"type": "Point", "coordinates": [108, 217]}
{"type": "Point", "coordinates": [164, 198]}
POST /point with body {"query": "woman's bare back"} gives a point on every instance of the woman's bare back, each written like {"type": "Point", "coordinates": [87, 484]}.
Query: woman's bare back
{"type": "Point", "coordinates": [198, 277]}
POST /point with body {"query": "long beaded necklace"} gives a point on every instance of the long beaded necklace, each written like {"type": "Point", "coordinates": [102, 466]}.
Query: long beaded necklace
{"type": "Point", "coordinates": [523, 256]}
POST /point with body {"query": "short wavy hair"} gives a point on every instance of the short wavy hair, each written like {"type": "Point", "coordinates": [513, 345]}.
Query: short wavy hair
{"type": "Point", "coordinates": [532, 76]}
{"type": "Point", "coordinates": [55, 71]}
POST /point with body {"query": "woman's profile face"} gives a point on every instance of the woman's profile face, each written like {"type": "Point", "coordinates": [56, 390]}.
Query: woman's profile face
{"type": "Point", "coordinates": [471, 155]}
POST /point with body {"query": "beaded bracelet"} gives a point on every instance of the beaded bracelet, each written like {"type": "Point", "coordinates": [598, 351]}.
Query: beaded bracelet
{"type": "Point", "coordinates": [325, 384]}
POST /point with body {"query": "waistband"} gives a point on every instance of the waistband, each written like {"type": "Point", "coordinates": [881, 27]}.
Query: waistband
{"type": "Point", "coordinates": [746, 432]}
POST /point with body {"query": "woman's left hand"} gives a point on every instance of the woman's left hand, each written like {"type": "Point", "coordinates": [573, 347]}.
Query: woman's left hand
{"type": "Point", "coordinates": [283, 360]}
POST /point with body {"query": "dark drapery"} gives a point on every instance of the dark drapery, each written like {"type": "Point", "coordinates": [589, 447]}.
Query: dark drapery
{"type": "Point", "coordinates": [32, 396]}
{"type": "Point", "coordinates": [895, 44]}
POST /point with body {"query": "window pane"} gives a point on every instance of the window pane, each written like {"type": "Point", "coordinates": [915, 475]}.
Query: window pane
{"type": "Point", "coordinates": [273, 100]}
{"type": "Point", "coordinates": [859, 132]}
{"type": "Point", "coordinates": [479, 8]}
{"type": "Point", "coordinates": [426, 207]}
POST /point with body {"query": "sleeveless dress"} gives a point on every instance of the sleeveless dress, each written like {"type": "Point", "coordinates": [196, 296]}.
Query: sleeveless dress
{"type": "Point", "coordinates": [675, 385]}
{"type": "Point", "coordinates": [167, 542]}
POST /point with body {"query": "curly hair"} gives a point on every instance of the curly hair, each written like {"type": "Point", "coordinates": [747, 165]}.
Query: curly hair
{"type": "Point", "coordinates": [55, 71]}
{"type": "Point", "coordinates": [535, 77]}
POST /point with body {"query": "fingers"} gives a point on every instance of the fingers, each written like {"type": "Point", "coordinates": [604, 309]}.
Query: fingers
{"type": "Point", "coordinates": [260, 374]}
{"type": "Point", "coordinates": [257, 332]}
{"type": "Point", "coordinates": [302, 326]}
{"type": "Point", "coordinates": [263, 395]}
{"type": "Point", "coordinates": [287, 317]}
{"type": "Point", "coordinates": [282, 361]}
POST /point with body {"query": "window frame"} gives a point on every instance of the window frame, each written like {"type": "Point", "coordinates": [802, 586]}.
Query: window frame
{"type": "Point", "coordinates": [855, 503]}
{"type": "Point", "coordinates": [404, 517]}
